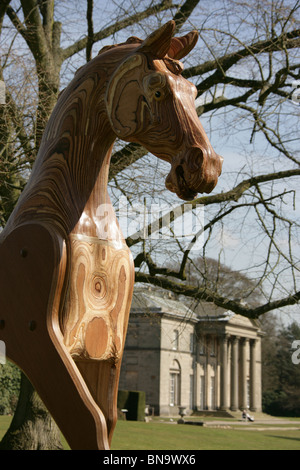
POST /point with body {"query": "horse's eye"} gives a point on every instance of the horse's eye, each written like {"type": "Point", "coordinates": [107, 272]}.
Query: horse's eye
{"type": "Point", "coordinates": [157, 94]}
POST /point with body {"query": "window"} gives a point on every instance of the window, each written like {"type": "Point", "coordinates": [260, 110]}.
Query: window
{"type": "Point", "coordinates": [201, 345]}
{"type": "Point", "coordinates": [175, 383]}
{"type": "Point", "coordinates": [202, 392]}
{"type": "Point", "coordinates": [213, 346]}
{"type": "Point", "coordinates": [192, 343]}
{"type": "Point", "coordinates": [175, 342]}
{"type": "Point", "coordinates": [191, 392]}
{"type": "Point", "coordinates": [174, 389]}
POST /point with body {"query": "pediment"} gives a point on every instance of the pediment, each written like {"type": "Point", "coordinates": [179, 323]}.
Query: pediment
{"type": "Point", "coordinates": [237, 324]}
{"type": "Point", "coordinates": [239, 320]}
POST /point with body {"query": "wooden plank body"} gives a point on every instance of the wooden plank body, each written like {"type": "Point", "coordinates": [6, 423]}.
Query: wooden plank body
{"type": "Point", "coordinates": [32, 275]}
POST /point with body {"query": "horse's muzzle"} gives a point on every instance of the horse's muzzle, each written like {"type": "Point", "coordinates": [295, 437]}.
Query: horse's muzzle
{"type": "Point", "coordinates": [196, 171]}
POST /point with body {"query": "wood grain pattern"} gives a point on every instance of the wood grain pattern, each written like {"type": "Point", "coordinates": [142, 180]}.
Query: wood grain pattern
{"type": "Point", "coordinates": [77, 283]}
{"type": "Point", "coordinates": [101, 281]}
{"type": "Point", "coordinates": [30, 292]}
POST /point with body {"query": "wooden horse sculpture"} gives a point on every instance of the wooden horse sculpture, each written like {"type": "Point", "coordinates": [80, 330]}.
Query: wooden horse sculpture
{"type": "Point", "coordinates": [66, 274]}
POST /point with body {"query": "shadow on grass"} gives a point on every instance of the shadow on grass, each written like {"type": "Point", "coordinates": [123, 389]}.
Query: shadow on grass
{"type": "Point", "coordinates": [284, 437]}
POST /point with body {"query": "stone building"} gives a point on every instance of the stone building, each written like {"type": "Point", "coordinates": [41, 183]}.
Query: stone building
{"type": "Point", "coordinates": [203, 359]}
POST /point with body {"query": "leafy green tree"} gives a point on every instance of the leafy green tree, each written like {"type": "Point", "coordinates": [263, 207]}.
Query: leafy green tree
{"type": "Point", "coordinates": [281, 375]}
{"type": "Point", "coordinates": [9, 388]}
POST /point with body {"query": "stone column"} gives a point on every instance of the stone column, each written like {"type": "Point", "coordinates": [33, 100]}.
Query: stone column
{"type": "Point", "coordinates": [224, 373]}
{"type": "Point", "coordinates": [244, 401]}
{"type": "Point", "coordinates": [253, 378]}
{"type": "Point", "coordinates": [234, 402]}
{"type": "Point", "coordinates": [207, 373]}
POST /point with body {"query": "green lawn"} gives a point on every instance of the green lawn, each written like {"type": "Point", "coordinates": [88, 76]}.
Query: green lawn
{"type": "Point", "coordinates": [4, 423]}
{"type": "Point", "coordinates": [162, 436]}
{"type": "Point", "coordinates": [131, 435]}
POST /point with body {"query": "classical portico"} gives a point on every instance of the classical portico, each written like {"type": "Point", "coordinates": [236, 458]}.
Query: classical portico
{"type": "Point", "coordinates": [202, 359]}
{"type": "Point", "coordinates": [235, 362]}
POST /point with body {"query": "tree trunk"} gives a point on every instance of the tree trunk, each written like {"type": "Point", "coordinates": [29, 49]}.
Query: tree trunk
{"type": "Point", "coordinates": [32, 427]}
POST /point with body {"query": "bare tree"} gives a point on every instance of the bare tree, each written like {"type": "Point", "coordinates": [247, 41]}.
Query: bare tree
{"type": "Point", "coordinates": [246, 68]}
{"type": "Point", "coordinates": [248, 93]}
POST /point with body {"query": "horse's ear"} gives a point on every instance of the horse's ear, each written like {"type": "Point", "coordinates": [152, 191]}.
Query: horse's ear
{"type": "Point", "coordinates": [180, 47]}
{"type": "Point", "coordinates": [123, 98]}
{"type": "Point", "coordinates": [158, 43]}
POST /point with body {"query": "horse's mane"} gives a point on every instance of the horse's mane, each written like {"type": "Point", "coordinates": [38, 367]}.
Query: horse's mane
{"type": "Point", "coordinates": [173, 65]}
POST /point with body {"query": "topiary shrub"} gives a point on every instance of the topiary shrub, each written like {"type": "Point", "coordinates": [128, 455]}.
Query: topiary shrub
{"type": "Point", "coordinates": [134, 402]}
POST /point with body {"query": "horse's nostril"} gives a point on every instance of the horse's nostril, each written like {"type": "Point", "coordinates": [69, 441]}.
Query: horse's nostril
{"type": "Point", "coordinates": [180, 172]}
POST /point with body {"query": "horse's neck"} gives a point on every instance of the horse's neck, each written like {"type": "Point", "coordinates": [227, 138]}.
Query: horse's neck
{"type": "Point", "coordinates": [98, 219]}
{"type": "Point", "coordinates": [69, 179]}
{"type": "Point", "coordinates": [68, 184]}
{"type": "Point", "coordinates": [60, 189]}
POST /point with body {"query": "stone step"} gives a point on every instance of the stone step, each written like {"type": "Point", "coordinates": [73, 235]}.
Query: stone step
{"type": "Point", "coordinates": [214, 413]}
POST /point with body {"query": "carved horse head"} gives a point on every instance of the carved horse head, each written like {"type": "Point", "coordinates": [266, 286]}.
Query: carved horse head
{"type": "Point", "coordinates": [149, 102]}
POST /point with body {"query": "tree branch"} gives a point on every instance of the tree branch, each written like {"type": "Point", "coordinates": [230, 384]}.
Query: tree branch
{"type": "Point", "coordinates": [90, 28]}
{"type": "Point", "coordinates": [221, 102]}
{"type": "Point", "coordinates": [207, 295]}
{"type": "Point", "coordinates": [264, 129]}
{"type": "Point", "coordinates": [47, 10]}
{"type": "Point", "coordinates": [290, 40]}
{"type": "Point", "coordinates": [17, 23]}
{"type": "Point", "coordinates": [154, 269]}
{"type": "Point", "coordinates": [184, 12]}
{"type": "Point", "coordinates": [3, 7]}
{"type": "Point", "coordinates": [35, 34]}
{"type": "Point", "coordinates": [119, 25]}
{"type": "Point", "coordinates": [125, 157]}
